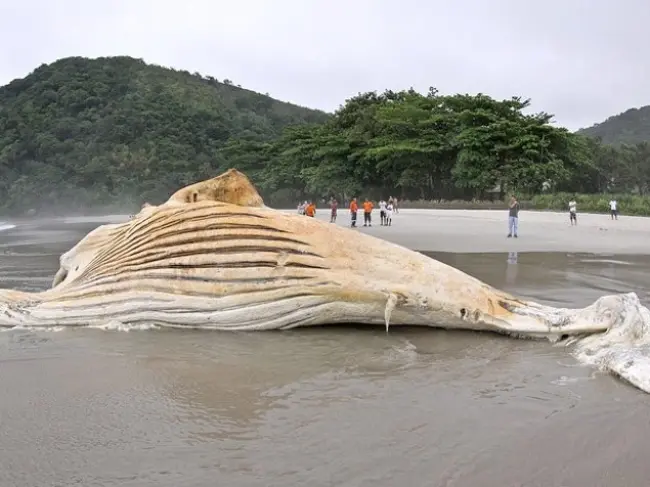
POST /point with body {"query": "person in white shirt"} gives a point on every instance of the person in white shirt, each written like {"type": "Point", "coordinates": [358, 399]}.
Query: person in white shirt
{"type": "Point", "coordinates": [382, 211]}
{"type": "Point", "coordinates": [389, 214]}
{"type": "Point", "coordinates": [572, 212]}
{"type": "Point", "coordinates": [613, 209]}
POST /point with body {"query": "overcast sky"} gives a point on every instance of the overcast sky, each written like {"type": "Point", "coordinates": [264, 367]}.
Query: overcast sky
{"type": "Point", "coordinates": [582, 60]}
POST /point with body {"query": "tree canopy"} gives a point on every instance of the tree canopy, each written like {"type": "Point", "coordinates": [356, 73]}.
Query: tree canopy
{"type": "Point", "coordinates": [82, 133]}
{"type": "Point", "coordinates": [433, 146]}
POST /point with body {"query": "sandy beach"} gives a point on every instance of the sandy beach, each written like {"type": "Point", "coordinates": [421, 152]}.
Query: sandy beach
{"type": "Point", "coordinates": [486, 230]}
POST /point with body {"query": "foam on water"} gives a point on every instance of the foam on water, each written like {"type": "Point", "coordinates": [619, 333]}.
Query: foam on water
{"type": "Point", "coordinates": [33, 328]}
{"type": "Point", "coordinates": [111, 326]}
{"type": "Point", "coordinates": [624, 349]}
{"type": "Point", "coordinates": [119, 326]}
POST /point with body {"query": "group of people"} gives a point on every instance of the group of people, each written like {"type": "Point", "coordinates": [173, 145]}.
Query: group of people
{"type": "Point", "coordinates": [307, 208]}
{"type": "Point", "coordinates": [513, 214]}
{"type": "Point", "coordinates": [386, 210]}
{"type": "Point", "coordinates": [573, 211]}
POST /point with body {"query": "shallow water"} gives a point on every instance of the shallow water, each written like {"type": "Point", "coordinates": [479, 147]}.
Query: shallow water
{"type": "Point", "coordinates": [321, 407]}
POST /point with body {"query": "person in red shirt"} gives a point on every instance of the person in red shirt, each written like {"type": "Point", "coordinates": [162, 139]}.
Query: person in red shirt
{"type": "Point", "coordinates": [334, 205]}
{"type": "Point", "coordinates": [367, 213]}
{"type": "Point", "coordinates": [353, 212]}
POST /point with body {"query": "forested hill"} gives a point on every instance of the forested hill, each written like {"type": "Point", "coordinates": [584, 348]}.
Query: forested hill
{"type": "Point", "coordinates": [90, 132]}
{"type": "Point", "coordinates": [629, 127]}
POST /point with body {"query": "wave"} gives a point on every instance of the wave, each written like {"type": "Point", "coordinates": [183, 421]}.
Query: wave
{"type": "Point", "coordinates": [606, 261]}
{"type": "Point", "coordinates": [111, 326]}
{"type": "Point", "coordinates": [6, 226]}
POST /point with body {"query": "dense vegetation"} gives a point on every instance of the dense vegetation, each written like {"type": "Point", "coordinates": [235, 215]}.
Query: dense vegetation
{"type": "Point", "coordinates": [83, 133]}
{"type": "Point", "coordinates": [629, 127]}
{"type": "Point", "coordinates": [435, 147]}
{"type": "Point", "coordinates": [93, 132]}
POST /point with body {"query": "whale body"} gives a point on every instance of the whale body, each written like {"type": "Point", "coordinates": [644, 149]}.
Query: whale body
{"type": "Point", "coordinates": [215, 257]}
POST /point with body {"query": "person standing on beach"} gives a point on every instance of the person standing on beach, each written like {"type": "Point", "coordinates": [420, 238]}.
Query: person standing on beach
{"type": "Point", "coordinates": [613, 209]}
{"type": "Point", "coordinates": [367, 213]}
{"type": "Point", "coordinates": [572, 212]}
{"type": "Point", "coordinates": [382, 211]}
{"type": "Point", "coordinates": [389, 214]}
{"type": "Point", "coordinates": [513, 217]}
{"type": "Point", "coordinates": [334, 205]}
{"type": "Point", "coordinates": [310, 210]}
{"type": "Point", "coordinates": [353, 212]}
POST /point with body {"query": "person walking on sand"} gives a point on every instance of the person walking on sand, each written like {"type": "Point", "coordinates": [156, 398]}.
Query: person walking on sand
{"type": "Point", "coordinates": [572, 212]}
{"type": "Point", "coordinates": [334, 205]}
{"type": "Point", "coordinates": [513, 217]}
{"type": "Point", "coordinates": [367, 213]}
{"type": "Point", "coordinates": [613, 209]}
{"type": "Point", "coordinates": [353, 212]}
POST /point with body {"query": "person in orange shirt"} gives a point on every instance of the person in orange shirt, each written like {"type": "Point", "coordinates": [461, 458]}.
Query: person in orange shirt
{"type": "Point", "coordinates": [367, 213]}
{"type": "Point", "coordinates": [311, 209]}
{"type": "Point", "coordinates": [353, 212]}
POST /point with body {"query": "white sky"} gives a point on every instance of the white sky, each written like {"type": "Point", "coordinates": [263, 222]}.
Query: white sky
{"type": "Point", "coordinates": [580, 60]}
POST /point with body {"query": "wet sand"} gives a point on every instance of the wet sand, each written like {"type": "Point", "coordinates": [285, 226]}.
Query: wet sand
{"type": "Point", "coordinates": [333, 406]}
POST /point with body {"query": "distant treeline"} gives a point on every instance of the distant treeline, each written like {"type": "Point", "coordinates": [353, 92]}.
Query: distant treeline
{"type": "Point", "coordinates": [628, 204]}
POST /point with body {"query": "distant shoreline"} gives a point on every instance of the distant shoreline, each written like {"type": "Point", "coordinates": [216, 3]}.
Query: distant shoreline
{"type": "Point", "coordinates": [341, 210]}
{"type": "Point", "coordinates": [106, 216]}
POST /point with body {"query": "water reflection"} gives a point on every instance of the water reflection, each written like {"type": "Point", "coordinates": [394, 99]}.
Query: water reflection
{"type": "Point", "coordinates": [555, 278]}
{"type": "Point", "coordinates": [512, 268]}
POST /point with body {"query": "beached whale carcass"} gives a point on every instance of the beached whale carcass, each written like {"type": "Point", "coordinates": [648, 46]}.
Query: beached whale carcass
{"type": "Point", "coordinates": [213, 256]}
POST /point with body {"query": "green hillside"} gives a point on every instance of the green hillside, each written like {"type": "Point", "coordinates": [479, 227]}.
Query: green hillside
{"type": "Point", "coordinates": [90, 132]}
{"type": "Point", "coordinates": [629, 127]}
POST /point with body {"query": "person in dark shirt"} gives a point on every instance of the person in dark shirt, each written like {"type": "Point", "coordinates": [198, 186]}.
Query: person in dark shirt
{"type": "Point", "coordinates": [513, 218]}
{"type": "Point", "coordinates": [334, 205]}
